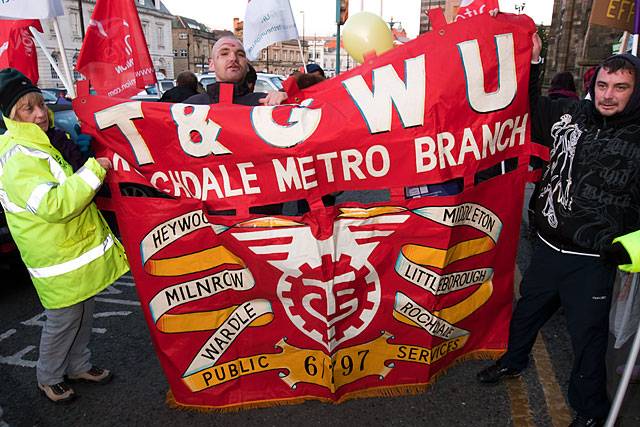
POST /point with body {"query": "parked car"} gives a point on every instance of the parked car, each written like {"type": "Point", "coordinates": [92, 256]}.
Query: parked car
{"type": "Point", "coordinates": [150, 93]}
{"type": "Point", "coordinates": [56, 91]}
{"type": "Point", "coordinates": [10, 262]}
{"type": "Point", "coordinates": [268, 82]}
{"type": "Point", "coordinates": [50, 97]}
{"type": "Point", "coordinates": [65, 118]}
{"type": "Point", "coordinates": [265, 83]}
{"type": "Point", "coordinates": [165, 85]}
{"type": "Point", "coordinates": [206, 79]}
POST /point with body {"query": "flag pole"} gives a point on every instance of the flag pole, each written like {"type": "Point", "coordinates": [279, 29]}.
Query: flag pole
{"type": "Point", "coordinates": [636, 29]}
{"type": "Point", "coordinates": [304, 63]}
{"type": "Point", "coordinates": [624, 382]}
{"type": "Point", "coordinates": [54, 65]}
{"type": "Point", "coordinates": [70, 90]}
{"type": "Point", "coordinates": [337, 37]}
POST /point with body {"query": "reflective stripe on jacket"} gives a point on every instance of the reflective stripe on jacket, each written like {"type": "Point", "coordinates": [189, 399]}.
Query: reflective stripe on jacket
{"type": "Point", "coordinates": [63, 239]}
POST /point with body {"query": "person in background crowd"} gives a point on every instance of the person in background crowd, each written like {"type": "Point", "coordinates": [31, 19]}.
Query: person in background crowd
{"type": "Point", "coordinates": [586, 213]}
{"type": "Point", "coordinates": [586, 79]}
{"type": "Point", "coordinates": [563, 86]}
{"type": "Point", "coordinates": [63, 98]}
{"type": "Point", "coordinates": [315, 69]}
{"type": "Point", "coordinates": [251, 78]}
{"type": "Point", "coordinates": [307, 80]}
{"type": "Point", "coordinates": [66, 245]}
{"type": "Point", "coordinates": [186, 86]}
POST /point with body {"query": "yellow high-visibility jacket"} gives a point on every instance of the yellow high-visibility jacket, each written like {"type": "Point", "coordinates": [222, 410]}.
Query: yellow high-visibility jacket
{"type": "Point", "coordinates": [64, 241]}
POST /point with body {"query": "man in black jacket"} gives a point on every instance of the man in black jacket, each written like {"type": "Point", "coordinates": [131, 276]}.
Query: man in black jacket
{"type": "Point", "coordinates": [589, 195]}
{"type": "Point", "coordinates": [186, 86]}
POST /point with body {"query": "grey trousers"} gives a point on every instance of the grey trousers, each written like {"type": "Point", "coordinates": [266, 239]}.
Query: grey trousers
{"type": "Point", "coordinates": [64, 342]}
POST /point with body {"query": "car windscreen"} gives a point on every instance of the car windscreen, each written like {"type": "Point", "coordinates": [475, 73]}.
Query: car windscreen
{"type": "Point", "coordinates": [277, 81]}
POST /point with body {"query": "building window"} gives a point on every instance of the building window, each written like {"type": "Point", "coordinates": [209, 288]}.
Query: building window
{"type": "Point", "coordinates": [145, 30]}
{"type": "Point", "coordinates": [263, 55]}
{"type": "Point", "coordinates": [183, 36]}
{"type": "Point", "coordinates": [76, 74]}
{"type": "Point", "coordinates": [183, 53]}
{"type": "Point", "coordinates": [175, 52]}
{"type": "Point", "coordinates": [55, 56]}
{"type": "Point", "coordinates": [75, 23]}
{"type": "Point", "coordinates": [160, 34]}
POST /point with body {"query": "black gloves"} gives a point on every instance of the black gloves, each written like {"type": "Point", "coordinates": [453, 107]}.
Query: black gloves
{"type": "Point", "coordinates": [615, 254]}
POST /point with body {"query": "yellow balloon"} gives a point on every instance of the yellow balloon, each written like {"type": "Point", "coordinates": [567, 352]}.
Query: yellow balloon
{"type": "Point", "coordinates": [366, 32]}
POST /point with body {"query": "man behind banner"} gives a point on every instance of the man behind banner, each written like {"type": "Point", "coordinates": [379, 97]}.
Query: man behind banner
{"type": "Point", "coordinates": [586, 212]}
{"type": "Point", "coordinates": [66, 245]}
{"type": "Point", "coordinates": [229, 62]}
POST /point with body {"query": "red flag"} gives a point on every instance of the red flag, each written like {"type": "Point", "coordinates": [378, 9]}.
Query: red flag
{"type": "Point", "coordinates": [114, 55]}
{"type": "Point", "coordinates": [17, 47]}
{"type": "Point", "coordinates": [471, 8]}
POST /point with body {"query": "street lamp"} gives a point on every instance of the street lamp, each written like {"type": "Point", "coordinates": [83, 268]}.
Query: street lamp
{"type": "Point", "coordinates": [304, 55]}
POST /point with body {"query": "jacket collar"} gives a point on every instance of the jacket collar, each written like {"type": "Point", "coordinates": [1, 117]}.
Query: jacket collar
{"type": "Point", "coordinates": [239, 89]}
{"type": "Point", "coordinates": [25, 131]}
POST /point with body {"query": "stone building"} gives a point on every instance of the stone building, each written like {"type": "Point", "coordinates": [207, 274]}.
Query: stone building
{"type": "Point", "coordinates": [279, 58]}
{"type": "Point", "coordinates": [192, 43]}
{"type": "Point", "coordinates": [574, 45]}
{"type": "Point", "coordinates": [156, 24]}
{"type": "Point", "coordinates": [425, 5]}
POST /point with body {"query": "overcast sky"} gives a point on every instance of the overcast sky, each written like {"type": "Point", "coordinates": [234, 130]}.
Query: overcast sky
{"type": "Point", "coordinates": [319, 15]}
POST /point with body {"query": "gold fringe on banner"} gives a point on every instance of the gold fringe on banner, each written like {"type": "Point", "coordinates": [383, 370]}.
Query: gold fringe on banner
{"type": "Point", "coordinates": [373, 392]}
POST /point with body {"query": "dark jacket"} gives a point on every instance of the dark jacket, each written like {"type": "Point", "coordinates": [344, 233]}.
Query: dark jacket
{"type": "Point", "coordinates": [241, 95]}
{"type": "Point", "coordinates": [178, 94]}
{"type": "Point", "coordinates": [590, 189]}
{"type": "Point", "coordinates": [70, 151]}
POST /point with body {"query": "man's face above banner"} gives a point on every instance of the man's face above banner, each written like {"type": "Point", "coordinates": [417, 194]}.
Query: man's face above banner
{"type": "Point", "coordinates": [228, 60]}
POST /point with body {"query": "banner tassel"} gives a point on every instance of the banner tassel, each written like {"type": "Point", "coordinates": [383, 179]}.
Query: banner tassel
{"type": "Point", "coordinates": [388, 391]}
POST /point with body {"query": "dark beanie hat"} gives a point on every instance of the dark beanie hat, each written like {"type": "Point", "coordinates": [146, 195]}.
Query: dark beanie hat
{"type": "Point", "coordinates": [13, 85]}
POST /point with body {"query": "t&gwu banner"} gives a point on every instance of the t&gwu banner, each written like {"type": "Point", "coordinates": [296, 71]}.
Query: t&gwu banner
{"type": "Point", "coordinates": [17, 47]}
{"type": "Point", "coordinates": [114, 54]}
{"type": "Point", "coordinates": [344, 301]}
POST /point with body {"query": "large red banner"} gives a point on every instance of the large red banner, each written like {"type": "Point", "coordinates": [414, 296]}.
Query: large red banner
{"type": "Point", "coordinates": [343, 301]}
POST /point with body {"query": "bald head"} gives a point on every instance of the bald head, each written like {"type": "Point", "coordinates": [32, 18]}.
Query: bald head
{"type": "Point", "coordinates": [228, 60]}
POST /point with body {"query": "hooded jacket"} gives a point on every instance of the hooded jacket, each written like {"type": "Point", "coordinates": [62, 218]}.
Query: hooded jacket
{"type": "Point", "coordinates": [65, 243]}
{"type": "Point", "coordinates": [590, 190]}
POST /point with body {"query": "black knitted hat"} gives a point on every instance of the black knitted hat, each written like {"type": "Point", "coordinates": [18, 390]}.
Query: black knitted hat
{"type": "Point", "coordinates": [13, 85]}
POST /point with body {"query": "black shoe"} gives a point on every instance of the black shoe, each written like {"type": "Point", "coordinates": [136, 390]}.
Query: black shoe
{"type": "Point", "coordinates": [585, 421]}
{"type": "Point", "coordinates": [495, 373]}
